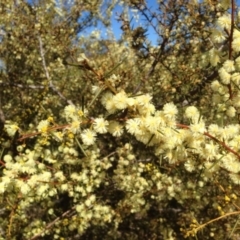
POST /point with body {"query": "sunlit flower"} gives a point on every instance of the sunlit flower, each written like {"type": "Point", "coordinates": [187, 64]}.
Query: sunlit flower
{"type": "Point", "coordinates": [170, 110]}
{"type": "Point", "coordinates": [106, 97]}
{"type": "Point", "coordinates": [7, 158]}
{"type": "Point", "coordinates": [70, 110]}
{"type": "Point", "coordinates": [132, 125]}
{"type": "Point", "coordinates": [88, 137]}
{"type": "Point", "coordinates": [236, 34]}
{"type": "Point", "coordinates": [198, 127]}
{"type": "Point", "coordinates": [210, 151]}
{"type": "Point", "coordinates": [108, 103]}
{"type": "Point", "coordinates": [43, 126]}
{"type": "Point", "coordinates": [236, 78]}
{"type": "Point", "coordinates": [191, 112]}
{"type": "Point", "coordinates": [58, 136]}
{"type": "Point", "coordinates": [11, 128]}
{"type": "Point", "coordinates": [235, 178]}
{"type": "Point", "coordinates": [59, 175]}
{"type": "Point", "coordinates": [42, 189]}
{"type": "Point", "coordinates": [229, 66]}
{"type": "Point", "coordinates": [217, 36]}
{"type": "Point", "coordinates": [100, 125]}
{"type": "Point", "coordinates": [75, 126]}
{"type": "Point", "coordinates": [231, 112]}
{"type": "Point", "coordinates": [25, 189]}
{"type": "Point", "coordinates": [214, 56]}
{"type": "Point", "coordinates": [232, 130]}
{"type": "Point", "coordinates": [131, 102]}
{"type": "Point", "coordinates": [230, 163]}
{"type": "Point", "coordinates": [152, 123]}
{"type": "Point", "coordinates": [146, 110]}
{"type": "Point", "coordinates": [144, 100]}
{"type": "Point", "coordinates": [214, 129]}
{"type": "Point", "coordinates": [120, 100]}
{"type": "Point", "coordinates": [224, 21]}
{"type": "Point", "coordinates": [115, 128]}
{"type": "Point", "coordinates": [215, 85]}
{"type": "Point", "coordinates": [224, 76]}
{"type": "Point", "coordinates": [190, 165]}
{"type": "Point", "coordinates": [236, 44]}
{"type": "Point", "coordinates": [111, 106]}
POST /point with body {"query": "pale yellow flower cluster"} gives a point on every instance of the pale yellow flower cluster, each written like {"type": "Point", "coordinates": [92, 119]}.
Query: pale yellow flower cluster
{"type": "Point", "coordinates": [11, 128]}
{"type": "Point", "coordinates": [121, 101]}
{"type": "Point", "coordinates": [224, 21]}
{"type": "Point", "coordinates": [236, 40]}
{"type": "Point", "coordinates": [73, 116]}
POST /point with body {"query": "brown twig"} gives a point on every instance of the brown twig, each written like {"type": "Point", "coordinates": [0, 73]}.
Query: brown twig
{"type": "Point", "coordinates": [215, 139]}
{"type": "Point", "coordinates": [195, 230]}
{"type": "Point", "coordinates": [52, 223]}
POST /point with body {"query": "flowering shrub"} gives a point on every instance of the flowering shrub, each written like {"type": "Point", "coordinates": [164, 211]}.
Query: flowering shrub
{"type": "Point", "coordinates": [120, 139]}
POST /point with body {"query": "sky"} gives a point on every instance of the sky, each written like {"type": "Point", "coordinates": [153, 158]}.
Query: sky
{"type": "Point", "coordinates": [116, 25]}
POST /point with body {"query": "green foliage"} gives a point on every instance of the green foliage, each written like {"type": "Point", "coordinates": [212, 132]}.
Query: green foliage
{"type": "Point", "coordinates": [106, 139]}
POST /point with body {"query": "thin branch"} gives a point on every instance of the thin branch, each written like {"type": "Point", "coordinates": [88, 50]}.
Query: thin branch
{"type": "Point", "coordinates": [52, 223]}
{"type": "Point", "coordinates": [215, 139]}
{"type": "Point", "coordinates": [195, 230]}
{"type": "Point", "coordinates": [51, 85]}
{"type": "Point", "coordinates": [165, 40]}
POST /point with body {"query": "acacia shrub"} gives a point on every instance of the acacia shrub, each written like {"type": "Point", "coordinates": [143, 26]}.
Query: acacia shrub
{"type": "Point", "coordinates": [118, 142]}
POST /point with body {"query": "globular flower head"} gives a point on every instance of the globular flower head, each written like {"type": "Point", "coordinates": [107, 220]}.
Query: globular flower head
{"type": "Point", "coordinates": [170, 110]}
{"type": "Point", "coordinates": [198, 127]}
{"type": "Point", "coordinates": [231, 112]}
{"type": "Point", "coordinates": [230, 163]}
{"type": "Point", "coordinates": [215, 85]}
{"type": "Point", "coordinates": [229, 66]}
{"type": "Point", "coordinates": [43, 126]}
{"type": "Point", "coordinates": [146, 110]}
{"type": "Point", "coordinates": [236, 34]}
{"type": "Point", "coordinates": [214, 130]}
{"type": "Point", "coordinates": [72, 113]}
{"type": "Point", "coordinates": [151, 123]}
{"type": "Point", "coordinates": [236, 44]}
{"type": "Point", "coordinates": [11, 128]}
{"type": "Point", "coordinates": [143, 100]}
{"type": "Point", "coordinates": [217, 36]}
{"type": "Point", "coordinates": [70, 110]}
{"type": "Point", "coordinates": [120, 100]}
{"type": "Point", "coordinates": [133, 125]}
{"type": "Point", "coordinates": [88, 137]}
{"type": "Point", "coordinates": [115, 128]}
{"type": "Point", "coordinates": [100, 125]}
{"type": "Point", "coordinates": [214, 56]}
{"type": "Point", "coordinates": [236, 78]}
{"type": "Point", "coordinates": [224, 21]}
{"type": "Point", "coordinates": [192, 112]}
{"type": "Point", "coordinates": [74, 126]}
{"type": "Point", "coordinates": [224, 76]}
{"type": "Point", "coordinates": [108, 103]}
